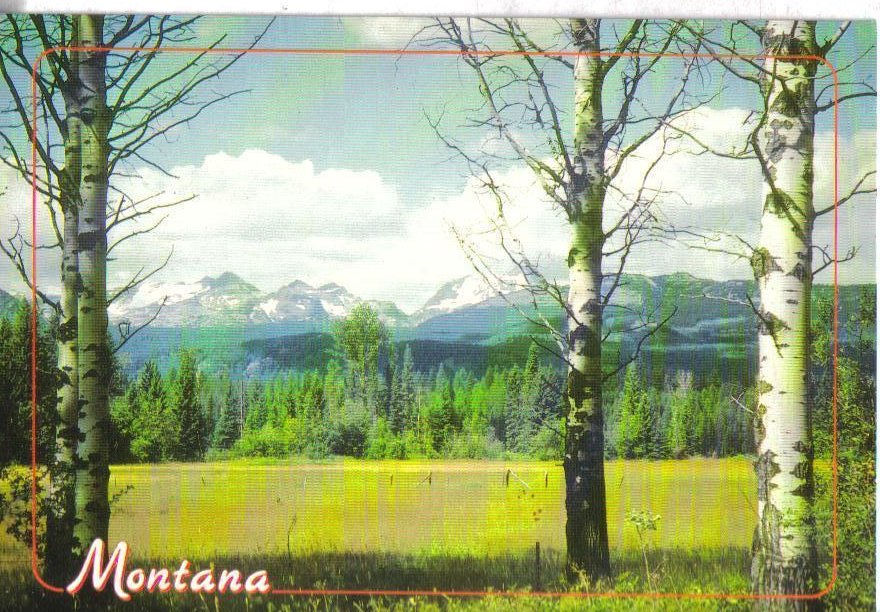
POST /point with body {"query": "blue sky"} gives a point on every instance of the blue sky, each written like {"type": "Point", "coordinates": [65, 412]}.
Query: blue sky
{"type": "Point", "coordinates": [327, 169]}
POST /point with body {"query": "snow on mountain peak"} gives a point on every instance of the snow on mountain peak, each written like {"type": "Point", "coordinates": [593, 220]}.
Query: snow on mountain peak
{"type": "Point", "coordinates": [270, 306]}
{"type": "Point", "coordinates": [150, 295]}
{"type": "Point", "coordinates": [455, 294]}
{"type": "Point", "coordinates": [228, 299]}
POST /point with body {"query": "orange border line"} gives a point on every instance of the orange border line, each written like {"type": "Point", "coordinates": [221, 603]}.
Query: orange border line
{"type": "Point", "coordinates": [444, 52]}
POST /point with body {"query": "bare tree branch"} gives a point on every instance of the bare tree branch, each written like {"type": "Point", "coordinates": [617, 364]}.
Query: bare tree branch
{"type": "Point", "coordinates": [855, 191]}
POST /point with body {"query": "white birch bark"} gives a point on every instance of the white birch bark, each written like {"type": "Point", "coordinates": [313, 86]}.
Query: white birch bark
{"type": "Point", "coordinates": [93, 472]}
{"type": "Point", "coordinates": [784, 558]}
{"type": "Point", "coordinates": [586, 524]}
{"type": "Point", "coordinates": [59, 522]}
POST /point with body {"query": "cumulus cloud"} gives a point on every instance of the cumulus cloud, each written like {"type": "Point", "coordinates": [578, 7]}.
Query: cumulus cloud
{"type": "Point", "coordinates": [698, 191]}
{"type": "Point", "coordinates": [273, 220]}
{"type": "Point", "coordinates": [386, 32]}
{"type": "Point", "coordinates": [15, 231]}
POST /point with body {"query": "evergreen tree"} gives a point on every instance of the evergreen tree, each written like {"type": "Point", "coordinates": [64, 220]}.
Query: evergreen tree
{"type": "Point", "coordinates": [636, 427]}
{"type": "Point", "coordinates": [678, 443]}
{"type": "Point", "coordinates": [12, 384]}
{"type": "Point", "coordinates": [259, 402]}
{"type": "Point", "coordinates": [15, 386]}
{"type": "Point", "coordinates": [152, 428]}
{"type": "Point", "coordinates": [228, 428]}
{"type": "Point", "coordinates": [441, 417]}
{"type": "Point", "coordinates": [186, 411]}
{"type": "Point", "coordinates": [403, 404]}
{"type": "Point", "coordinates": [523, 404]}
{"type": "Point", "coordinates": [311, 396]}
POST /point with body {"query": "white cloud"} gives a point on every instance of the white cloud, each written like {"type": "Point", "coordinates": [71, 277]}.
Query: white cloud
{"type": "Point", "coordinates": [273, 220]}
{"type": "Point", "coordinates": [16, 197]}
{"type": "Point", "coordinates": [386, 32]}
{"type": "Point", "coordinates": [706, 191]}
{"type": "Point", "coordinates": [397, 32]}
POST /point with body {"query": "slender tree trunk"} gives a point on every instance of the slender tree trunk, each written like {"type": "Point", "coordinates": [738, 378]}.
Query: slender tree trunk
{"type": "Point", "coordinates": [93, 471]}
{"type": "Point", "coordinates": [586, 526]}
{"type": "Point", "coordinates": [784, 558]}
{"type": "Point", "coordinates": [59, 528]}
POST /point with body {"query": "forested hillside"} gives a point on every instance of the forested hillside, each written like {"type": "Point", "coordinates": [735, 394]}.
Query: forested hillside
{"type": "Point", "coordinates": [355, 392]}
{"type": "Point", "coordinates": [710, 331]}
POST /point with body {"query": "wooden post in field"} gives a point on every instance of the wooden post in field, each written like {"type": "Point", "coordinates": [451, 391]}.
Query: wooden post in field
{"type": "Point", "coordinates": [537, 566]}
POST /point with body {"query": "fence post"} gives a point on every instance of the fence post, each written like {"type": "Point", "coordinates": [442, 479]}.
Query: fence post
{"type": "Point", "coordinates": [537, 566]}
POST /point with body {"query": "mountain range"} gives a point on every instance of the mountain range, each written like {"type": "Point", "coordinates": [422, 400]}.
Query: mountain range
{"type": "Point", "coordinates": [710, 324]}
{"type": "Point", "coordinates": [229, 300]}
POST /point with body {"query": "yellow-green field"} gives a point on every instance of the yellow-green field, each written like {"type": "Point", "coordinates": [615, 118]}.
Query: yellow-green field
{"type": "Point", "coordinates": [445, 507]}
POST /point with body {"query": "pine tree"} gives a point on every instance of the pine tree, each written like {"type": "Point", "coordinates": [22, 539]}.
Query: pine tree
{"type": "Point", "coordinates": [261, 402]}
{"type": "Point", "coordinates": [441, 417]}
{"type": "Point", "coordinates": [403, 405]}
{"type": "Point", "coordinates": [15, 386]}
{"type": "Point", "coordinates": [522, 405]}
{"type": "Point", "coordinates": [678, 444]}
{"type": "Point", "coordinates": [186, 411]}
{"type": "Point", "coordinates": [635, 431]}
{"type": "Point", "coordinates": [228, 428]}
{"type": "Point", "coordinates": [152, 426]}
{"type": "Point", "coordinates": [10, 421]}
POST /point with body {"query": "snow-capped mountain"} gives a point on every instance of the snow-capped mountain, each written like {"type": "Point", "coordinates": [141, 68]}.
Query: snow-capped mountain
{"type": "Point", "coordinates": [229, 300]}
{"type": "Point", "coordinates": [465, 306]}
{"type": "Point", "coordinates": [225, 299]}
{"type": "Point", "coordinates": [390, 313]}
{"type": "Point", "coordinates": [299, 301]}
{"type": "Point", "coordinates": [454, 295]}
{"type": "Point", "coordinates": [288, 328]}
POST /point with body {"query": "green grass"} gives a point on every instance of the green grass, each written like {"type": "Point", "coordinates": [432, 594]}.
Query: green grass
{"type": "Point", "coordinates": [672, 571]}
{"type": "Point", "coordinates": [232, 508]}
{"type": "Point", "coordinates": [385, 524]}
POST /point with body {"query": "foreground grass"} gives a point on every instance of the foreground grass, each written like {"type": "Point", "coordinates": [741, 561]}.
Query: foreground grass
{"type": "Point", "coordinates": [482, 508]}
{"type": "Point", "coordinates": [421, 525]}
{"type": "Point", "coordinates": [670, 571]}
{"type": "Point", "coordinates": [404, 507]}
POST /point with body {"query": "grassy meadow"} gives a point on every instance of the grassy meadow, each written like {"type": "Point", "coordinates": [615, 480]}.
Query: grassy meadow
{"type": "Point", "coordinates": [423, 525]}
{"type": "Point", "coordinates": [426, 525]}
{"type": "Point", "coordinates": [402, 507]}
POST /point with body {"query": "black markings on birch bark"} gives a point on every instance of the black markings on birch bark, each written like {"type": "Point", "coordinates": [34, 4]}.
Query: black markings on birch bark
{"type": "Point", "coordinates": [784, 544]}
{"type": "Point", "coordinates": [586, 526]}
{"type": "Point", "coordinates": [62, 469]}
{"type": "Point", "coordinates": [92, 475]}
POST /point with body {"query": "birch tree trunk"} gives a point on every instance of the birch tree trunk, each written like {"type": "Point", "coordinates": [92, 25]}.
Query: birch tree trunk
{"type": "Point", "coordinates": [93, 472]}
{"type": "Point", "coordinates": [784, 559]}
{"type": "Point", "coordinates": [586, 523]}
{"type": "Point", "coordinates": [59, 544]}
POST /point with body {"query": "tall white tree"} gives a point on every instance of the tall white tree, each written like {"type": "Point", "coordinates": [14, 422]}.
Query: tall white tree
{"type": "Point", "coordinates": [105, 108]}
{"type": "Point", "coordinates": [785, 547]}
{"type": "Point", "coordinates": [786, 73]}
{"type": "Point", "coordinates": [575, 148]}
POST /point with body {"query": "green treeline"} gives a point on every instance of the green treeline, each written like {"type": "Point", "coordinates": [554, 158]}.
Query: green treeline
{"type": "Point", "coordinates": [15, 385]}
{"type": "Point", "coordinates": [371, 402]}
